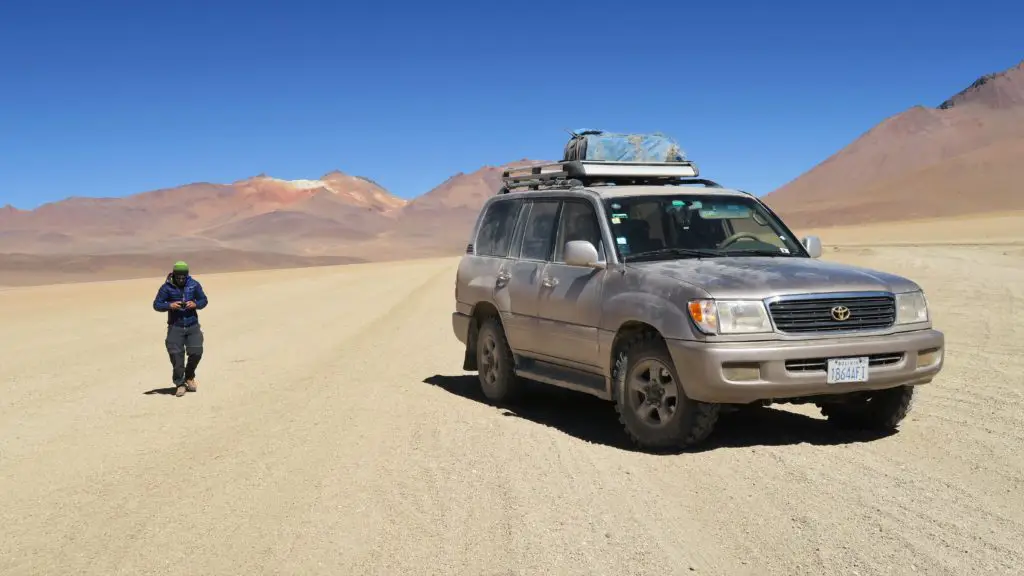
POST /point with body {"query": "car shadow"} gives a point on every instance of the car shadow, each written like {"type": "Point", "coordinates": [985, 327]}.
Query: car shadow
{"type": "Point", "coordinates": [165, 391]}
{"type": "Point", "coordinates": [594, 420]}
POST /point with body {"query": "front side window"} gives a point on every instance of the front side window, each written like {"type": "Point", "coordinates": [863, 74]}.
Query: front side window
{"type": "Point", "coordinates": [578, 222]}
{"type": "Point", "coordinates": [496, 228]}
{"type": "Point", "coordinates": [696, 225]}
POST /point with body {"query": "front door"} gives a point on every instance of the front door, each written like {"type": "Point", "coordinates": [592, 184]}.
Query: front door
{"type": "Point", "coordinates": [570, 302]}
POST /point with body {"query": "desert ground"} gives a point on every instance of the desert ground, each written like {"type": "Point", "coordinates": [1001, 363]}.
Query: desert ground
{"type": "Point", "coordinates": [334, 432]}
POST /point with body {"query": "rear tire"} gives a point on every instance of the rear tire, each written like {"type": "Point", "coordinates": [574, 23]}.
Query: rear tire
{"type": "Point", "coordinates": [495, 364]}
{"type": "Point", "coordinates": [879, 410]}
{"type": "Point", "coordinates": [649, 397]}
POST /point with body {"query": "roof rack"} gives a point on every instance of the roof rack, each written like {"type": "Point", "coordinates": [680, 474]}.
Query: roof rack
{"type": "Point", "coordinates": [574, 173]}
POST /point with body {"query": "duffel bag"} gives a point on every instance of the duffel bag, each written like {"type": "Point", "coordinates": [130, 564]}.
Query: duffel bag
{"type": "Point", "coordinates": [616, 147]}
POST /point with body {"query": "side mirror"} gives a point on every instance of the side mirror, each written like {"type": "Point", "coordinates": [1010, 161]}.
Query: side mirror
{"type": "Point", "coordinates": [813, 246]}
{"type": "Point", "coordinates": [581, 253]}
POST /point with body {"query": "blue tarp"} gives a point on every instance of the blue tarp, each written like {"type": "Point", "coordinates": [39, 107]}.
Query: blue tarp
{"type": "Point", "coordinates": [617, 147]}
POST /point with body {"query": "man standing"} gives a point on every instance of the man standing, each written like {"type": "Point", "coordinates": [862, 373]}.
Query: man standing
{"type": "Point", "coordinates": [181, 296]}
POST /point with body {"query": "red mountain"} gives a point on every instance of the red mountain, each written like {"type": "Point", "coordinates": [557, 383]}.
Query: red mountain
{"type": "Point", "coordinates": [962, 157]}
{"type": "Point", "coordinates": [444, 216]}
{"type": "Point", "coordinates": [337, 214]}
{"type": "Point", "coordinates": [273, 212]}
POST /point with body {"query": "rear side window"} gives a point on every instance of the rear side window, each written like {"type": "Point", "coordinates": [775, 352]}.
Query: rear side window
{"type": "Point", "coordinates": [496, 228]}
{"type": "Point", "coordinates": [539, 237]}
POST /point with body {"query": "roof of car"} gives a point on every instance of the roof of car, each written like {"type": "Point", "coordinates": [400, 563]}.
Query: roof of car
{"type": "Point", "coordinates": [621, 191]}
{"type": "Point", "coordinates": [611, 179]}
{"type": "Point", "coordinates": [629, 190]}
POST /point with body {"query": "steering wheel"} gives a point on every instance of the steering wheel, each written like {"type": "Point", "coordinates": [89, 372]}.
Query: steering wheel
{"type": "Point", "coordinates": [738, 236]}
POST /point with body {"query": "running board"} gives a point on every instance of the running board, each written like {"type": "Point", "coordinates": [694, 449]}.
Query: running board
{"type": "Point", "coordinates": [562, 376]}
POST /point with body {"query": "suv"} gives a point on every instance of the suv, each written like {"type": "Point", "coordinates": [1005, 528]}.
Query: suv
{"type": "Point", "coordinates": [625, 281]}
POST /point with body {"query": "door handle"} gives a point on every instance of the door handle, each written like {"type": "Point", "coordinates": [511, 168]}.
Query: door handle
{"type": "Point", "coordinates": [503, 278]}
{"type": "Point", "coordinates": [549, 282]}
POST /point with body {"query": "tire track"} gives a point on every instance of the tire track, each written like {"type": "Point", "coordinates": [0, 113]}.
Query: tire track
{"type": "Point", "coordinates": [266, 427]}
{"type": "Point", "coordinates": [319, 448]}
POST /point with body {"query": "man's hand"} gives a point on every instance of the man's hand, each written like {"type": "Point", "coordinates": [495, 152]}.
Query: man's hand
{"type": "Point", "coordinates": [175, 305]}
{"type": "Point", "coordinates": [190, 305]}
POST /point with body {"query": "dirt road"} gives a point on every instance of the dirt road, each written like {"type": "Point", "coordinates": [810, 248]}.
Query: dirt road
{"type": "Point", "coordinates": [334, 433]}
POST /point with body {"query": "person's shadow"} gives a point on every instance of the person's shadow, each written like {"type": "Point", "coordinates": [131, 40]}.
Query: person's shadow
{"type": "Point", "coordinates": [164, 391]}
{"type": "Point", "coordinates": [594, 420]}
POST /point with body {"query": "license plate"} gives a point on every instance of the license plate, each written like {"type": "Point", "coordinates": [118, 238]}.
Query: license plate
{"type": "Point", "coordinates": [842, 370]}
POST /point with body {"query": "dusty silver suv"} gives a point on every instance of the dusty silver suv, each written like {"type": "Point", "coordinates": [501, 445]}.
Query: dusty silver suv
{"type": "Point", "coordinates": [672, 297]}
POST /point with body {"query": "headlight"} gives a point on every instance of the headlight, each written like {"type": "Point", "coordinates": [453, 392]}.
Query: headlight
{"type": "Point", "coordinates": [730, 316]}
{"type": "Point", "coordinates": [911, 307]}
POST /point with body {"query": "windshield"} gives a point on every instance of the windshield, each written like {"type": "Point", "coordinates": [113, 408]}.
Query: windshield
{"type": "Point", "coordinates": [693, 225]}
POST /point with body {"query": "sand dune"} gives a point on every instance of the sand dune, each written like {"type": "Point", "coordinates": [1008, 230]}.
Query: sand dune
{"type": "Point", "coordinates": [334, 433]}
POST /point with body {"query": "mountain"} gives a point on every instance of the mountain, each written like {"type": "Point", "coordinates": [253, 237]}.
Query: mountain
{"type": "Point", "coordinates": [272, 213]}
{"type": "Point", "coordinates": [336, 215]}
{"type": "Point", "coordinates": [961, 157]}
{"type": "Point", "coordinates": [466, 190]}
{"type": "Point", "coordinates": [443, 217]}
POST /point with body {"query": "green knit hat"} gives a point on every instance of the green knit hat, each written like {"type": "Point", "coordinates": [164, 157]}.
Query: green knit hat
{"type": "Point", "coordinates": [180, 266]}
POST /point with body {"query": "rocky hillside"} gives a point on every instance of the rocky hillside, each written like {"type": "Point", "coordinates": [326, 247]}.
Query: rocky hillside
{"type": "Point", "coordinates": [336, 214]}
{"type": "Point", "coordinates": [961, 157]}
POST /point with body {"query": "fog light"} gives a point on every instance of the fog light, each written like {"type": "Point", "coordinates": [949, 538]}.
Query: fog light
{"type": "Point", "coordinates": [741, 372]}
{"type": "Point", "coordinates": [928, 357]}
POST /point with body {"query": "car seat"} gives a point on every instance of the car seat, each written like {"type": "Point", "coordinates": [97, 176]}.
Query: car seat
{"type": "Point", "coordinates": [638, 236]}
{"type": "Point", "coordinates": [702, 233]}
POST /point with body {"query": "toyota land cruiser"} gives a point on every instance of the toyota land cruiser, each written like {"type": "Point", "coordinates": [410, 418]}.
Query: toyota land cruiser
{"type": "Point", "coordinates": [672, 297]}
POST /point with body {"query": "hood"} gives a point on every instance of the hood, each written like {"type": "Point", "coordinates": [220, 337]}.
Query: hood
{"type": "Point", "coordinates": [763, 277]}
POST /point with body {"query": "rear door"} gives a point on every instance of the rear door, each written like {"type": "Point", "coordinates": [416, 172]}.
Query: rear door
{"type": "Point", "coordinates": [518, 290]}
{"type": "Point", "coordinates": [482, 273]}
{"type": "Point", "coordinates": [570, 304]}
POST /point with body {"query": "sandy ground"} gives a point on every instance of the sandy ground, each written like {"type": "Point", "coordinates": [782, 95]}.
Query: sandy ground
{"type": "Point", "coordinates": [1000, 228]}
{"type": "Point", "coordinates": [44, 269]}
{"type": "Point", "coordinates": [335, 433]}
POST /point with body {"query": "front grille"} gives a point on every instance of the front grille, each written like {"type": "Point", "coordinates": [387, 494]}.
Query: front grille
{"type": "Point", "coordinates": [802, 315]}
{"type": "Point", "coordinates": [820, 364]}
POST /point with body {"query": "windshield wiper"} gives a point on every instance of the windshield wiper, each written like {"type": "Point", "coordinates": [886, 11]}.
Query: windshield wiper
{"type": "Point", "coordinates": [756, 252]}
{"type": "Point", "coordinates": [654, 254]}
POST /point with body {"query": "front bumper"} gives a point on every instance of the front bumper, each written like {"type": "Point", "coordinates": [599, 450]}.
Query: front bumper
{"type": "Point", "coordinates": [746, 372]}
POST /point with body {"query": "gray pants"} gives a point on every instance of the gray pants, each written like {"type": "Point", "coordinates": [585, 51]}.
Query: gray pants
{"type": "Point", "coordinates": [181, 340]}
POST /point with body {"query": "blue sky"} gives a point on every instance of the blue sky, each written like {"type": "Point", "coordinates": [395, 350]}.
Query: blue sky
{"type": "Point", "coordinates": [113, 98]}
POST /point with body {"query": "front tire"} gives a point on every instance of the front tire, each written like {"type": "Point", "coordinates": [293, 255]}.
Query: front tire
{"type": "Point", "coordinates": [649, 397]}
{"type": "Point", "coordinates": [495, 364]}
{"type": "Point", "coordinates": [879, 410]}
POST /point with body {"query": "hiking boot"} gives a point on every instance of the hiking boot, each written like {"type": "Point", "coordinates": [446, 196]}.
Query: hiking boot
{"type": "Point", "coordinates": [190, 385]}
{"type": "Point", "coordinates": [180, 391]}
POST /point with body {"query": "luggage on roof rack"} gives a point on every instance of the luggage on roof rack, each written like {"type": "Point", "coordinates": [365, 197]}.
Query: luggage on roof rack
{"type": "Point", "coordinates": [586, 173]}
{"type": "Point", "coordinates": [616, 147]}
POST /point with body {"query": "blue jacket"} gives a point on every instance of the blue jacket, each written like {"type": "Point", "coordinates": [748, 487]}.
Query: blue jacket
{"type": "Point", "coordinates": [169, 293]}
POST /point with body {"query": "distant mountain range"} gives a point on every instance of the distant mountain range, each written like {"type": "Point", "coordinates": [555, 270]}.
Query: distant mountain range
{"type": "Point", "coordinates": [965, 156]}
{"type": "Point", "coordinates": [336, 214]}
